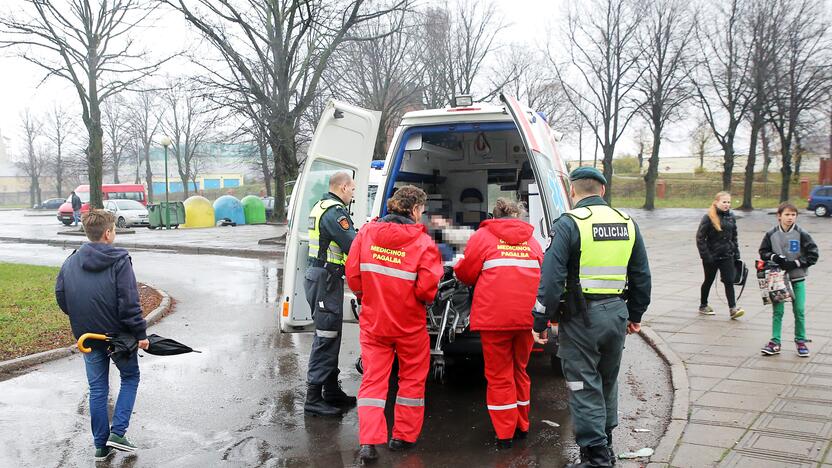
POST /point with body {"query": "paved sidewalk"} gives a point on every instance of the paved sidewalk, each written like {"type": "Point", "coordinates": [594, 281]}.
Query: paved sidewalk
{"type": "Point", "coordinates": [745, 410]}
{"type": "Point", "coordinates": [235, 241]}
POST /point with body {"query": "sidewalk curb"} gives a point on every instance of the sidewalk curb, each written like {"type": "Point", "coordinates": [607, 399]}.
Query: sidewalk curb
{"type": "Point", "coordinates": [185, 249]}
{"type": "Point", "coordinates": [23, 362]}
{"type": "Point", "coordinates": [681, 397]}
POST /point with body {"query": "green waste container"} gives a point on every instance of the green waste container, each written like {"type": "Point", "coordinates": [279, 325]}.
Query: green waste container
{"type": "Point", "coordinates": [157, 215]}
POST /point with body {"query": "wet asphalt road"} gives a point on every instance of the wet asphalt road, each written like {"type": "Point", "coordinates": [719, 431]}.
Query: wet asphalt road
{"type": "Point", "coordinates": [240, 402]}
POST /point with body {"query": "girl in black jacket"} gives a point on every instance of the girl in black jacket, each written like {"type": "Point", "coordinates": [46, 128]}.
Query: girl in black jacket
{"type": "Point", "coordinates": [716, 240]}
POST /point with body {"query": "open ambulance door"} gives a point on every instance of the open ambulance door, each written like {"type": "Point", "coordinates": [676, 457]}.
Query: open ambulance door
{"type": "Point", "coordinates": [549, 169]}
{"type": "Point", "coordinates": [343, 141]}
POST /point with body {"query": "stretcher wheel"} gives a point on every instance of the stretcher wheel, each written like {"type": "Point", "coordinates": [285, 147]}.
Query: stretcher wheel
{"type": "Point", "coordinates": [359, 365]}
{"type": "Point", "coordinates": [439, 372]}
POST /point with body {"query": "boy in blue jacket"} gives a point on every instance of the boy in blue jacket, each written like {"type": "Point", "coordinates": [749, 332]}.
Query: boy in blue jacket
{"type": "Point", "coordinates": [97, 289]}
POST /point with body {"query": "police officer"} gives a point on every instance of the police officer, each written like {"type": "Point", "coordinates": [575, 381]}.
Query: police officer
{"type": "Point", "coordinates": [596, 253]}
{"type": "Point", "coordinates": [331, 233]}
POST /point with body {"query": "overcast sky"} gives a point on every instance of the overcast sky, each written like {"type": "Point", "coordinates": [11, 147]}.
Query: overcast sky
{"type": "Point", "coordinates": [531, 22]}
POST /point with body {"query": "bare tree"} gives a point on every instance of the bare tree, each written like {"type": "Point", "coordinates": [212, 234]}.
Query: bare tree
{"type": "Point", "coordinates": [801, 75]}
{"type": "Point", "coordinates": [87, 43]}
{"type": "Point", "coordinates": [604, 54]}
{"type": "Point", "coordinates": [665, 84]}
{"type": "Point", "coordinates": [143, 115]}
{"type": "Point", "coordinates": [33, 161]}
{"type": "Point", "coordinates": [434, 39]}
{"type": "Point", "coordinates": [114, 123]}
{"type": "Point", "coordinates": [721, 80]}
{"type": "Point", "coordinates": [643, 144]}
{"type": "Point", "coordinates": [276, 52]}
{"type": "Point", "coordinates": [189, 123]}
{"type": "Point", "coordinates": [383, 74]}
{"type": "Point", "coordinates": [762, 30]}
{"type": "Point", "coordinates": [700, 137]}
{"type": "Point", "coordinates": [61, 129]}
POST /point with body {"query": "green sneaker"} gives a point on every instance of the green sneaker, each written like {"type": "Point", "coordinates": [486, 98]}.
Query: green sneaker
{"type": "Point", "coordinates": [102, 454]}
{"type": "Point", "coordinates": [120, 443]}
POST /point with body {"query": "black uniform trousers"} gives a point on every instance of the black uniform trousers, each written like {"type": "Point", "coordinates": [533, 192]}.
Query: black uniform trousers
{"type": "Point", "coordinates": [325, 294]}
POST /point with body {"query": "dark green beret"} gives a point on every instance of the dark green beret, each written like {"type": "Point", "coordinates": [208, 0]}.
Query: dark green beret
{"type": "Point", "coordinates": [587, 172]}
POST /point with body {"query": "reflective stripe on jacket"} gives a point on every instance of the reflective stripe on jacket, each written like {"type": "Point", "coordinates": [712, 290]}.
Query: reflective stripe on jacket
{"type": "Point", "coordinates": [607, 238]}
{"type": "Point", "coordinates": [395, 270]}
{"type": "Point", "coordinates": [333, 252]}
{"type": "Point", "coordinates": [502, 260]}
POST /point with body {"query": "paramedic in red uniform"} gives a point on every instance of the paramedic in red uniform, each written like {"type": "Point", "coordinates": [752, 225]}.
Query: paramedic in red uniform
{"type": "Point", "coordinates": [502, 260]}
{"type": "Point", "coordinates": [394, 268]}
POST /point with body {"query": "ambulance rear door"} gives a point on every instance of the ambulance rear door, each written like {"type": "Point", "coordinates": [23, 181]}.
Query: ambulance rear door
{"type": "Point", "coordinates": [343, 141]}
{"type": "Point", "coordinates": [549, 169]}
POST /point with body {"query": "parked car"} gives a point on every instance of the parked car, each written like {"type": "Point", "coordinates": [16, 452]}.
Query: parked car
{"type": "Point", "coordinates": [135, 192]}
{"type": "Point", "coordinates": [820, 200]}
{"type": "Point", "coordinates": [128, 212]}
{"type": "Point", "coordinates": [51, 204]}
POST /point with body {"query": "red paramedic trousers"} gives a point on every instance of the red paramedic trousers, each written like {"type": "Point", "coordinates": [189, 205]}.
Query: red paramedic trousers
{"type": "Point", "coordinates": [506, 355]}
{"type": "Point", "coordinates": [377, 355]}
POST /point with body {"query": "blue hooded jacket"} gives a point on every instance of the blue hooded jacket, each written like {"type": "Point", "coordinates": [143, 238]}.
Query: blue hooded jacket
{"type": "Point", "coordinates": [97, 289]}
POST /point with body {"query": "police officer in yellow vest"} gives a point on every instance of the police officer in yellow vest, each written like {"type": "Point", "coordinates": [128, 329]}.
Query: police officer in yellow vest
{"type": "Point", "coordinates": [331, 233]}
{"type": "Point", "coordinates": [597, 258]}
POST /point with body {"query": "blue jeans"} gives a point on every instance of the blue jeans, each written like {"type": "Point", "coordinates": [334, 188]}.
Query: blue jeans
{"type": "Point", "coordinates": [76, 216]}
{"type": "Point", "coordinates": [98, 368]}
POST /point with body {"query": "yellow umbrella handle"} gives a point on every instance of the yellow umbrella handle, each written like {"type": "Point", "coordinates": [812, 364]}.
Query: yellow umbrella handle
{"type": "Point", "coordinates": [92, 336]}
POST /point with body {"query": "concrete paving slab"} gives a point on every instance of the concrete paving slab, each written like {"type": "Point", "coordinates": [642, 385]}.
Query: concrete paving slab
{"type": "Point", "coordinates": [723, 416]}
{"type": "Point", "coordinates": [697, 456]}
{"type": "Point", "coordinates": [713, 436]}
{"type": "Point", "coordinates": [742, 459]}
{"type": "Point", "coordinates": [702, 383]}
{"type": "Point", "coordinates": [732, 400]}
{"type": "Point", "coordinates": [821, 409]}
{"type": "Point", "coordinates": [809, 393]}
{"type": "Point", "coordinates": [794, 425]}
{"type": "Point", "coordinates": [706, 370]}
{"type": "Point", "coordinates": [801, 449]}
{"type": "Point", "coordinates": [747, 388]}
{"type": "Point", "coordinates": [764, 376]}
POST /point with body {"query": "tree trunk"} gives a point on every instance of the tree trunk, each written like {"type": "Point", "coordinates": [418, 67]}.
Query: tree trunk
{"type": "Point", "coordinates": [281, 153]}
{"type": "Point", "coordinates": [264, 166]}
{"type": "Point", "coordinates": [33, 199]}
{"type": "Point", "coordinates": [148, 173]}
{"type": "Point", "coordinates": [727, 167]}
{"type": "Point", "coordinates": [581, 148]}
{"type": "Point", "coordinates": [701, 156]}
{"type": "Point", "coordinates": [59, 173]}
{"type": "Point", "coordinates": [766, 152]}
{"type": "Point", "coordinates": [608, 172]}
{"type": "Point", "coordinates": [95, 156]}
{"type": "Point", "coordinates": [116, 180]}
{"type": "Point", "coordinates": [748, 186]}
{"type": "Point", "coordinates": [652, 175]}
{"type": "Point", "coordinates": [798, 157]}
{"type": "Point", "coordinates": [786, 173]}
{"type": "Point", "coordinates": [595, 154]}
{"type": "Point", "coordinates": [38, 193]}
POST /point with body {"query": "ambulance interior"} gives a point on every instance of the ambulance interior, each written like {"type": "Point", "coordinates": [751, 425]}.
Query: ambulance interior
{"type": "Point", "coordinates": [463, 173]}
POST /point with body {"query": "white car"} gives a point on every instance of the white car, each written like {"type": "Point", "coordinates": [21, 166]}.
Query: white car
{"type": "Point", "coordinates": [127, 212]}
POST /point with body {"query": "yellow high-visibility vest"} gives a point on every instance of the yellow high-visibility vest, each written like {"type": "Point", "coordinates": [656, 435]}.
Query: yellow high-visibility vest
{"type": "Point", "coordinates": [333, 252]}
{"type": "Point", "coordinates": [607, 239]}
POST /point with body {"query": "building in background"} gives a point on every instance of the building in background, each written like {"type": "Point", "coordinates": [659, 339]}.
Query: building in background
{"type": "Point", "coordinates": [14, 185]}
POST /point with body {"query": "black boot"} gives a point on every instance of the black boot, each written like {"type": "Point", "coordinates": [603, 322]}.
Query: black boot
{"type": "Point", "coordinates": [398, 445]}
{"type": "Point", "coordinates": [609, 447]}
{"type": "Point", "coordinates": [593, 457]}
{"type": "Point", "coordinates": [335, 396]}
{"type": "Point", "coordinates": [316, 405]}
{"type": "Point", "coordinates": [367, 454]}
{"type": "Point", "coordinates": [504, 444]}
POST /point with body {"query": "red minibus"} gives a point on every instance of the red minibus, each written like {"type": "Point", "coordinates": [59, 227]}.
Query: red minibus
{"type": "Point", "coordinates": [110, 192]}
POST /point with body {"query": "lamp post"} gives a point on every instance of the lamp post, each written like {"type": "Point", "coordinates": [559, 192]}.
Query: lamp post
{"type": "Point", "coordinates": [165, 141]}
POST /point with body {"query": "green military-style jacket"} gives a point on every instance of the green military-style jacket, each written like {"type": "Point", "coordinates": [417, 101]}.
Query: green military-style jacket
{"type": "Point", "coordinates": [565, 249]}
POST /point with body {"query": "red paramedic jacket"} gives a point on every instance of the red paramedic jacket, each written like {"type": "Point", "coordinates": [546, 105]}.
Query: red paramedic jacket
{"type": "Point", "coordinates": [503, 261]}
{"type": "Point", "coordinates": [394, 268]}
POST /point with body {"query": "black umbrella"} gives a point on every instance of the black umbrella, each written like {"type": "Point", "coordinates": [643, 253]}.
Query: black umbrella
{"type": "Point", "coordinates": [122, 345]}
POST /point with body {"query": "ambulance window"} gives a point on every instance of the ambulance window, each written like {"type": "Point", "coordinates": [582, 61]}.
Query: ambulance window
{"type": "Point", "coordinates": [317, 183]}
{"type": "Point", "coordinates": [551, 187]}
{"type": "Point", "coordinates": [371, 195]}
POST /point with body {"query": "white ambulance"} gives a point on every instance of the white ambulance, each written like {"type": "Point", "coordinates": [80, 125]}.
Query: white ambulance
{"type": "Point", "coordinates": [464, 157]}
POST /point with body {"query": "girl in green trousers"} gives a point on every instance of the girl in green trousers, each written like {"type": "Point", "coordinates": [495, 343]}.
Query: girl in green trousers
{"type": "Point", "coordinates": [793, 250]}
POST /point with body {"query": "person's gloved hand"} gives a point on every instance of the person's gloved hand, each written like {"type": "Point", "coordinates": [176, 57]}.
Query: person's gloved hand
{"type": "Point", "coordinates": [791, 265]}
{"type": "Point", "coordinates": [780, 260]}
